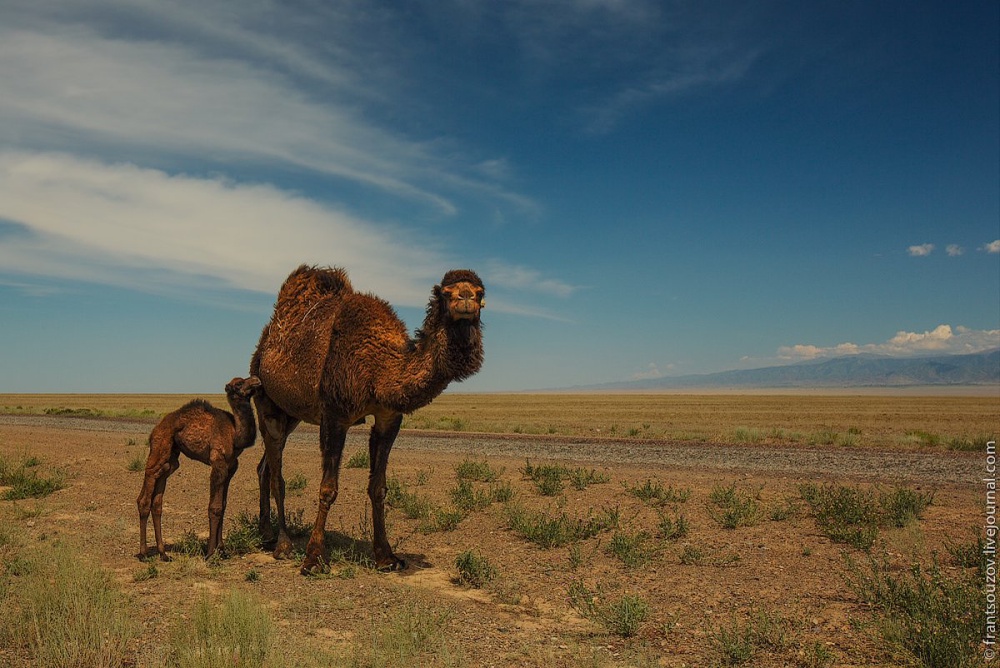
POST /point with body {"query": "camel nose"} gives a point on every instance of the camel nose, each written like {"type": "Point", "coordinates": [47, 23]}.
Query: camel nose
{"type": "Point", "coordinates": [466, 293]}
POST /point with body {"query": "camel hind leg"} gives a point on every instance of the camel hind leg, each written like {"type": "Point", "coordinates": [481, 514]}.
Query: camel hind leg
{"type": "Point", "coordinates": [275, 426]}
{"type": "Point", "coordinates": [159, 465]}
{"type": "Point", "coordinates": [157, 505]}
{"type": "Point", "coordinates": [332, 436]}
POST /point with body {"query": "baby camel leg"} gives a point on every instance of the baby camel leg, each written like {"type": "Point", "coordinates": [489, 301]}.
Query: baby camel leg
{"type": "Point", "coordinates": [157, 468]}
{"type": "Point", "coordinates": [158, 490]}
{"type": "Point", "coordinates": [222, 475]}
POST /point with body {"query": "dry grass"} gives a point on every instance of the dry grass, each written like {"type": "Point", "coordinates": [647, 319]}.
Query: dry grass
{"type": "Point", "coordinates": [910, 421]}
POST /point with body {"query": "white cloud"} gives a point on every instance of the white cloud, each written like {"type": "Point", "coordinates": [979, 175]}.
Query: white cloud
{"type": "Point", "coordinates": [992, 247]}
{"type": "Point", "coordinates": [651, 372]}
{"type": "Point", "coordinates": [522, 278]}
{"type": "Point", "coordinates": [923, 250]}
{"type": "Point", "coordinates": [942, 339]}
{"type": "Point", "coordinates": [140, 228]}
{"type": "Point", "coordinates": [954, 250]}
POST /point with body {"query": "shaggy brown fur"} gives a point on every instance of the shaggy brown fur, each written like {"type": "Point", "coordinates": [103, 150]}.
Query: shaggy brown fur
{"type": "Point", "coordinates": [206, 434]}
{"type": "Point", "coordinates": [330, 356]}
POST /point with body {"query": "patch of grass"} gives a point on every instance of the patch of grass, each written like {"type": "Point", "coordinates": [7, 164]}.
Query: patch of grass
{"type": "Point", "coordinates": [150, 572]}
{"type": "Point", "coordinates": [190, 545]}
{"type": "Point", "coordinates": [622, 616]}
{"type": "Point", "coordinates": [547, 477]}
{"type": "Point", "coordinates": [236, 632]}
{"type": "Point", "coordinates": [296, 483]}
{"type": "Point", "coordinates": [748, 435]}
{"type": "Point", "coordinates": [653, 492]}
{"type": "Point", "coordinates": [480, 471]}
{"type": "Point", "coordinates": [557, 531]}
{"type": "Point", "coordinates": [466, 497]}
{"type": "Point", "coordinates": [739, 642]}
{"type": "Point", "coordinates": [359, 460]}
{"type": "Point", "coordinates": [137, 463]}
{"type": "Point", "coordinates": [474, 570]}
{"type": "Point", "coordinates": [65, 611]}
{"type": "Point", "coordinates": [631, 548]}
{"type": "Point", "coordinates": [672, 528]}
{"type": "Point", "coordinates": [924, 438]}
{"type": "Point", "coordinates": [412, 635]}
{"type": "Point", "coordinates": [501, 492]}
{"type": "Point", "coordinates": [580, 478]}
{"type": "Point", "coordinates": [243, 536]}
{"type": "Point", "coordinates": [733, 508]}
{"type": "Point", "coordinates": [412, 505]}
{"type": "Point", "coordinates": [970, 444]}
{"type": "Point", "coordinates": [934, 618]}
{"type": "Point", "coordinates": [25, 482]}
{"type": "Point", "coordinates": [853, 515]}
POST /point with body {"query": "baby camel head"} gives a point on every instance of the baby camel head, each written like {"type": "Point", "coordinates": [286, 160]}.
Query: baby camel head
{"type": "Point", "coordinates": [243, 388]}
{"type": "Point", "coordinates": [462, 295]}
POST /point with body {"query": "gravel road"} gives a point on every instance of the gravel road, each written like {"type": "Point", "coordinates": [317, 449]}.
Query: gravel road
{"type": "Point", "coordinates": [916, 467]}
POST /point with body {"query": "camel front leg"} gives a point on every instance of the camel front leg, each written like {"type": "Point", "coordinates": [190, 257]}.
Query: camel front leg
{"type": "Point", "coordinates": [222, 475]}
{"type": "Point", "coordinates": [383, 435]}
{"type": "Point", "coordinates": [275, 426]}
{"type": "Point", "coordinates": [333, 435]}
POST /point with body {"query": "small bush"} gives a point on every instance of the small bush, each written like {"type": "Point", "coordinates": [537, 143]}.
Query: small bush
{"type": "Point", "coordinates": [548, 531]}
{"type": "Point", "coordinates": [670, 528]}
{"type": "Point", "coordinates": [631, 548]}
{"type": "Point", "coordinates": [243, 536]}
{"type": "Point", "coordinates": [412, 505]}
{"type": "Point", "coordinates": [359, 460]}
{"type": "Point", "coordinates": [653, 492]}
{"type": "Point", "coordinates": [581, 478]}
{"type": "Point", "coordinates": [480, 471]}
{"type": "Point", "coordinates": [468, 498]}
{"type": "Point", "coordinates": [622, 616]}
{"type": "Point", "coordinates": [474, 570]}
{"type": "Point", "coordinates": [934, 618]}
{"type": "Point", "coordinates": [733, 508]}
{"type": "Point", "coordinates": [853, 515]}
{"type": "Point", "coordinates": [137, 463]}
{"type": "Point", "coordinates": [296, 483]}
{"type": "Point", "coordinates": [25, 483]}
{"type": "Point", "coordinates": [739, 642]}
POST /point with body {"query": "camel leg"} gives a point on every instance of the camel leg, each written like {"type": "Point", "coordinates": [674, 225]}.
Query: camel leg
{"type": "Point", "coordinates": [222, 475]}
{"type": "Point", "coordinates": [332, 436]}
{"type": "Point", "coordinates": [158, 490]}
{"type": "Point", "coordinates": [275, 426]}
{"type": "Point", "coordinates": [383, 435]}
{"type": "Point", "coordinates": [154, 471]}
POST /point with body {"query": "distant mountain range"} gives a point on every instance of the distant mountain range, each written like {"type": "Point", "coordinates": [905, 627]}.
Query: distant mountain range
{"type": "Point", "coordinates": [853, 371]}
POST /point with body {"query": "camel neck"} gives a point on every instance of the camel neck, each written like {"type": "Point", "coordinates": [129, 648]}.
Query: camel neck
{"type": "Point", "coordinates": [246, 428]}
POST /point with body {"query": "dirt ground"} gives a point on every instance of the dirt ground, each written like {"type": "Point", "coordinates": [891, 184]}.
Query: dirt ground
{"type": "Point", "coordinates": [785, 567]}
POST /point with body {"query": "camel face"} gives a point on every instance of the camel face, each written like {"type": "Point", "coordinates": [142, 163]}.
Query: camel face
{"type": "Point", "coordinates": [464, 300]}
{"type": "Point", "coordinates": [243, 387]}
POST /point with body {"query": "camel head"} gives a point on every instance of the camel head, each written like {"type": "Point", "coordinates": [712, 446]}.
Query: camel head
{"type": "Point", "coordinates": [462, 295]}
{"type": "Point", "coordinates": [243, 387]}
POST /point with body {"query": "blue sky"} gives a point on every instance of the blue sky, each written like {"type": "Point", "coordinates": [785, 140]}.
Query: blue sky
{"type": "Point", "coordinates": [646, 188]}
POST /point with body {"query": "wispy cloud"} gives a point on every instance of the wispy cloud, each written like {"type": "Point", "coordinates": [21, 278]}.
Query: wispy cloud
{"type": "Point", "coordinates": [923, 250]}
{"type": "Point", "coordinates": [942, 339]}
{"type": "Point", "coordinates": [522, 278]}
{"type": "Point", "coordinates": [954, 250]}
{"type": "Point", "coordinates": [992, 247]}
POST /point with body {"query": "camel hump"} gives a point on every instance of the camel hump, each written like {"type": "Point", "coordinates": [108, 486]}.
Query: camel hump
{"type": "Point", "coordinates": [310, 283]}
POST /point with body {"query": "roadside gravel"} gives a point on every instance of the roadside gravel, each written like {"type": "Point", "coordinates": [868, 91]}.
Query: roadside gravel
{"type": "Point", "coordinates": [922, 468]}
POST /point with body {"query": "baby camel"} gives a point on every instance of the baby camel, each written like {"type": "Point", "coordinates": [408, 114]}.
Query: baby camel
{"type": "Point", "coordinates": [204, 433]}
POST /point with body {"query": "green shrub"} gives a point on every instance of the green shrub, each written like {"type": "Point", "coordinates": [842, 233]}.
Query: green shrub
{"type": "Point", "coordinates": [933, 617]}
{"type": "Point", "coordinates": [474, 570]}
{"type": "Point", "coordinates": [733, 508]}
{"type": "Point", "coordinates": [631, 548]}
{"type": "Point", "coordinates": [653, 492]}
{"type": "Point", "coordinates": [480, 471]}
{"type": "Point", "coordinates": [359, 460]}
{"type": "Point", "coordinates": [622, 616]}
{"type": "Point", "coordinates": [557, 531]}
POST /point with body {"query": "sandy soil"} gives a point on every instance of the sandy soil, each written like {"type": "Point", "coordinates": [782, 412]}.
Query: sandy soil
{"type": "Point", "coordinates": [785, 567]}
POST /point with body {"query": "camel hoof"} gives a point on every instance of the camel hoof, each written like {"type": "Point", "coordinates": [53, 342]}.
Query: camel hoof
{"type": "Point", "coordinates": [283, 550]}
{"type": "Point", "coordinates": [394, 565]}
{"type": "Point", "coordinates": [313, 566]}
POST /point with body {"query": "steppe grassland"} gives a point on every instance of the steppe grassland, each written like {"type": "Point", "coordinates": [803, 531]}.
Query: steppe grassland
{"type": "Point", "coordinates": [948, 420]}
{"type": "Point", "coordinates": [634, 566]}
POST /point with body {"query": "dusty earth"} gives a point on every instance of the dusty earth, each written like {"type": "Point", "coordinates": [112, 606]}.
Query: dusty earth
{"type": "Point", "coordinates": [786, 567]}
